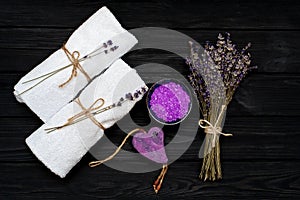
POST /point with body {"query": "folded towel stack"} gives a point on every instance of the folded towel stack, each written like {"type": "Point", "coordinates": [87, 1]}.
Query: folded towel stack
{"type": "Point", "coordinates": [101, 30]}
{"type": "Point", "coordinates": [61, 149]}
{"type": "Point", "coordinates": [50, 90]}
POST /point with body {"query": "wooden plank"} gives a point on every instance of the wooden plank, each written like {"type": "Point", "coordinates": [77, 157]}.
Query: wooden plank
{"type": "Point", "coordinates": [255, 138]}
{"type": "Point", "coordinates": [261, 161]}
{"type": "Point", "coordinates": [224, 15]}
{"type": "Point", "coordinates": [256, 96]}
{"type": "Point", "coordinates": [276, 51]}
{"type": "Point", "coordinates": [241, 180]}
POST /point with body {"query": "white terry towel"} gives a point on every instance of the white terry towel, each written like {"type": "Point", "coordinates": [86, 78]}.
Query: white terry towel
{"type": "Point", "coordinates": [47, 98]}
{"type": "Point", "coordinates": [61, 149]}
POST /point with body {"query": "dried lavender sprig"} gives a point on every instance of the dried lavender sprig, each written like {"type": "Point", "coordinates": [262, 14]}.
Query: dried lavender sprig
{"type": "Point", "coordinates": [197, 83]}
{"type": "Point", "coordinates": [88, 56]}
{"type": "Point", "coordinates": [202, 64]}
{"type": "Point", "coordinates": [200, 90]}
{"type": "Point", "coordinates": [232, 64]}
{"type": "Point", "coordinates": [119, 103]}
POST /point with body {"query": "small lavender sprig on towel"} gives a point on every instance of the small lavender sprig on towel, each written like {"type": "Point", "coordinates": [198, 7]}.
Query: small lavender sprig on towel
{"type": "Point", "coordinates": [232, 66]}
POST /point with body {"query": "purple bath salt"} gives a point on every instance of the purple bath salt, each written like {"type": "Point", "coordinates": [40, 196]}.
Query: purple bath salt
{"type": "Point", "coordinates": [169, 102]}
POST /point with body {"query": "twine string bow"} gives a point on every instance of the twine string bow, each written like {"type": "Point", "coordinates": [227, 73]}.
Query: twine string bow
{"type": "Point", "coordinates": [214, 130]}
{"type": "Point", "coordinates": [86, 112]}
{"type": "Point", "coordinates": [74, 58]}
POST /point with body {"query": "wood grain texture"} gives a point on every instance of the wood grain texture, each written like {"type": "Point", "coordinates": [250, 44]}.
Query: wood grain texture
{"type": "Point", "coordinates": [256, 180]}
{"type": "Point", "coordinates": [261, 161]}
{"type": "Point", "coordinates": [270, 14]}
{"type": "Point", "coordinates": [273, 51]}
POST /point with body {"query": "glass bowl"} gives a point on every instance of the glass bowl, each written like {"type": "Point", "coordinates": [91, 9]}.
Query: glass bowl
{"type": "Point", "coordinates": [169, 101]}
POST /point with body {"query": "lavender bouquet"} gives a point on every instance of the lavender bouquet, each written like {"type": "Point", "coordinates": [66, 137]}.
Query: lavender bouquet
{"type": "Point", "coordinates": [215, 73]}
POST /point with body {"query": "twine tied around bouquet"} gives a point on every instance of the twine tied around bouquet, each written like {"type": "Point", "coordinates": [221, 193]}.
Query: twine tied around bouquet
{"type": "Point", "coordinates": [213, 129]}
{"type": "Point", "coordinates": [74, 58]}
{"type": "Point", "coordinates": [86, 112]}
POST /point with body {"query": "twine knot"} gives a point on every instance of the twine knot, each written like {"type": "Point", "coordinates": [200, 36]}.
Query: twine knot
{"type": "Point", "coordinates": [85, 112]}
{"type": "Point", "coordinates": [213, 129]}
{"type": "Point", "coordinates": [88, 112]}
{"type": "Point", "coordinates": [74, 59]}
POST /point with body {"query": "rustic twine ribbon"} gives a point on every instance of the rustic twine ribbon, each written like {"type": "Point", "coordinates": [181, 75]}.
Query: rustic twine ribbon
{"type": "Point", "coordinates": [158, 182]}
{"type": "Point", "coordinates": [99, 162]}
{"type": "Point", "coordinates": [75, 62]}
{"type": "Point", "coordinates": [74, 58]}
{"type": "Point", "coordinates": [213, 129]}
{"type": "Point", "coordinates": [85, 112]}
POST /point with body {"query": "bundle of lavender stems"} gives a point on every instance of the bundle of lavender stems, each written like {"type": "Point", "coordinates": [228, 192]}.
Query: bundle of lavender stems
{"type": "Point", "coordinates": [215, 73]}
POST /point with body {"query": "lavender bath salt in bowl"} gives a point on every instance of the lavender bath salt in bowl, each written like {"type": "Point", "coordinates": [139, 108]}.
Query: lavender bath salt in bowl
{"type": "Point", "coordinates": [169, 101]}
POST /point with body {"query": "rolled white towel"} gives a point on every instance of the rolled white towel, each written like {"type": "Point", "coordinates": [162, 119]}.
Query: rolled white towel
{"type": "Point", "coordinates": [61, 149]}
{"type": "Point", "coordinates": [47, 98]}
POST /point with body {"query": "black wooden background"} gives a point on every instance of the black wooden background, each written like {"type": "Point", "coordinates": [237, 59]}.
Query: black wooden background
{"type": "Point", "coordinates": [260, 161]}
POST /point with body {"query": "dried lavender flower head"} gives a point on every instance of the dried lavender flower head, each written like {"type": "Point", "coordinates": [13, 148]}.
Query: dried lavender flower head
{"type": "Point", "coordinates": [232, 64]}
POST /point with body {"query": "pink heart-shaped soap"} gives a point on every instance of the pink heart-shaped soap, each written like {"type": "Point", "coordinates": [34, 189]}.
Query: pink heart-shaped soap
{"type": "Point", "coordinates": [151, 145]}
